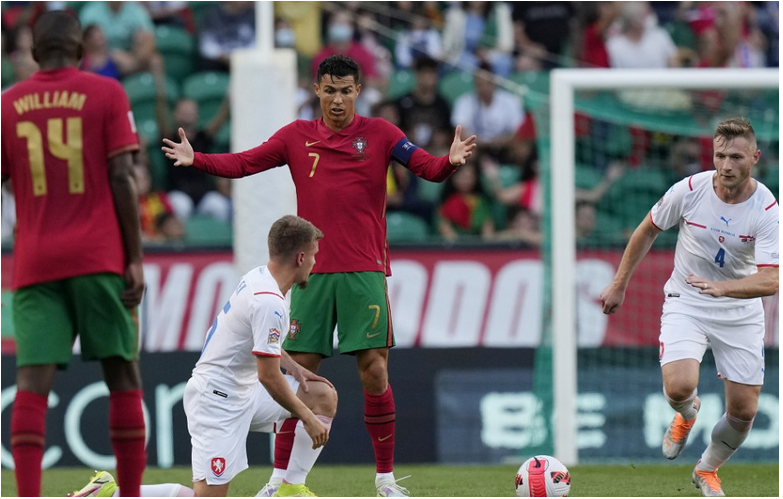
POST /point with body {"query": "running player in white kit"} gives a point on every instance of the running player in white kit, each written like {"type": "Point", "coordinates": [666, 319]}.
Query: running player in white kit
{"type": "Point", "coordinates": [237, 385]}
{"type": "Point", "coordinates": [726, 259]}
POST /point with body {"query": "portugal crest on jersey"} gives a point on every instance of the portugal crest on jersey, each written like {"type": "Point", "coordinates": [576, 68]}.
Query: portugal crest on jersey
{"type": "Point", "coordinates": [360, 146]}
{"type": "Point", "coordinates": [294, 329]}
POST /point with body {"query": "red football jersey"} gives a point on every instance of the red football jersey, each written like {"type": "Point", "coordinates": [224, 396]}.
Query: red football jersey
{"type": "Point", "coordinates": [340, 180]}
{"type": "Point", "coordinates": [59, 129]}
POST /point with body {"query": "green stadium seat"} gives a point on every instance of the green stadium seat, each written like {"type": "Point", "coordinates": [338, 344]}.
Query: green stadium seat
{"type": "Point", "coordinates": [222, 142]}
{"type": "Point", "coordinates": [454, 85]}
{"type": "Point", "coordinates": [208, 89]}
{"type": "Point", "coordinates": [141, 92]}
{"type": "Point", "coordinates": [207, 231]}
{"type": "Point", "coordinates": [535, 81]}
{"type": "Point", "coordinates": [158, 163]}
{"type": "Point", "coordinates": [587, 177]}
{"type": "Point", "coordinates": [430, 191]}
{"type": "Point", "coordinates": [400, 83]}
{"type": "Point", "coordinates": [404, 227]}
{"type": "Point", "coordinates": [177, 48]}
{"type": "Point", "coordinates": [771, 179]}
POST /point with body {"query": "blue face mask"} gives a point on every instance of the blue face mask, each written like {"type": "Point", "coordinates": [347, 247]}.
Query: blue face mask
{"type": "Point", "coordinates": [340, 32]}
{"type": "Point", "coordinates": [285, 37]}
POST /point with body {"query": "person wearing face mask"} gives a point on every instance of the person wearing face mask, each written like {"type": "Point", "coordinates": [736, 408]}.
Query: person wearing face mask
{"type": "Point", "coordinates": [340, 42]}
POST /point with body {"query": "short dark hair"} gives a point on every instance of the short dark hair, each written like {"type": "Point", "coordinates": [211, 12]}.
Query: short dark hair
{"type": "Point", "coordinates": [57, 33]}
{"type": "Point", "coordinates": [290, 235]}
{"type": "Point", "coordinates": [338, 66]}
{"type": "Point", "coordinates": [425, 62]}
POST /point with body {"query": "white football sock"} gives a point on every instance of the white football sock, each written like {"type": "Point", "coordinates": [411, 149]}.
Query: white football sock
{"type": "Point", "coordinates": [686, 408]}
{"type": "Point", "coordinates": [162, 490]}
{"type": "Point", "coordinates": [384, 478]}
{"type": "Point", "coordinates": [303, 456]}
{"type": "Point", "coordinates": [727, 435]}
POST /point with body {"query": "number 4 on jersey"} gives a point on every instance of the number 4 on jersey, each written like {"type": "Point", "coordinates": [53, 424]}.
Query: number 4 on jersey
{"type": "Point", "coordinates": [720, 257]}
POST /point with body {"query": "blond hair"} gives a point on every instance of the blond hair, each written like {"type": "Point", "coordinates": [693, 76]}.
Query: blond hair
{"type": "Point", "coordinates": [731, 128]}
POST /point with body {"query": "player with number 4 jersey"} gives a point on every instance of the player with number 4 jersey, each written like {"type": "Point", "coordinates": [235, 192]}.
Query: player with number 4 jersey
{"type": "Point", "coordinates": [726, 259]}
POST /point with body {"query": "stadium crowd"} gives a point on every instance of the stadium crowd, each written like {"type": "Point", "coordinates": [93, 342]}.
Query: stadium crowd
{"type": "Point", "coordinates": [426, 67]}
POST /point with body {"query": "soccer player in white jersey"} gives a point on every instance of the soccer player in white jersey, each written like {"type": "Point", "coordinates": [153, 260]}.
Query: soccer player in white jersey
{"type": "Point", "coordinates": [237, 386]}
{"type": "Point", "coordinates": [726, 259]}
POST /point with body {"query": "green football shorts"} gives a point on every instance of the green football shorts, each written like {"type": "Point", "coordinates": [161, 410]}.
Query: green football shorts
{"type": "Point", "coordinates": [49, 316]}
{"type": "Point", "coordinates": [357, 302]}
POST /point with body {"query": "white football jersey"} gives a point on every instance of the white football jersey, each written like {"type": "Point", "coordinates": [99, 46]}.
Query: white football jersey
{"type": "Point", "coordinates": [252, 322]}
{"type": "Point", "coordinates": [717, 241]}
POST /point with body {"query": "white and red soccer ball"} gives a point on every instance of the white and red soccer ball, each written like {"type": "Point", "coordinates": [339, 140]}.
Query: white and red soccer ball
{"type": "Point", "coordinates": [543, 476]}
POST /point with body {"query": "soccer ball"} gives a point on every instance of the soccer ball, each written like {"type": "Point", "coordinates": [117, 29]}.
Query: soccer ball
{"type": "Point", "coordinates": [543, 476]}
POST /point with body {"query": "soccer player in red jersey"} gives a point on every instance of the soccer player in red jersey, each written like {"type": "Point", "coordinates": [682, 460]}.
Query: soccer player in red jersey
{"type": "Point", "coordinates": [338, 164]}
{"type": "Point", "coordinates": [66, 146]}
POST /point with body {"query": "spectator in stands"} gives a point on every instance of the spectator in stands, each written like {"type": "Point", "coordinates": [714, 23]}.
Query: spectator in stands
{"type": "Point", "coordinates": [304, 18]}
{"type": "Point", "coordinates": [97, 58]}
{"type": "Point", "coordinates": [492, 114]}
{"type": "Point", "coordinates": [129, 30]}
{"type": "Point", "coordinates": [769, 24]}
{"type": "Point", "coordinates": [544, 28]}
{"type": "Point", "coordinates": [20, 49]}
{"type": "Point", "coordinates": [227, 26]}
{"type": "Point", "coordinates": [479, 31]}
{"type": "Point", "coordinates": [640, 43]}
{"type": "Point", "coordinates": [171, 13]}
{"type": "Point", "coordinates": [340, 40]}
{"type": "Point", "coordinates": [418, 39]}
{"type": "Point", "coordinates": [158, 221]}
{"type": "Point", "coordinates": [594, 20]}
{"type": "Point", "coordinates": [584, 220]}
{"type": "Point", "coordinates": [522, 226]}
{"type": "Point", "coordinates": [402, 193]}
{"type": "Point", "coordinates": [424, 114]}
{"type": "Point", "coordinates": [465, 208]}
{"type": "Point", "coordinates": [366, 35]}
{"type": "Point", "coordinates": [189, 189]}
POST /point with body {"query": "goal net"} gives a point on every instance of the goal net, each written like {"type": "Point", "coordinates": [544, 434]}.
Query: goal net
{"type": "Point", "coordinates": [610, 145]}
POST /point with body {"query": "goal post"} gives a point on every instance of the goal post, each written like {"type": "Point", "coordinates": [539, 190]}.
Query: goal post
{"type": "Point", "coordinates": [263, 100]}
{"type": "Point", "coordinates": [564, 85]}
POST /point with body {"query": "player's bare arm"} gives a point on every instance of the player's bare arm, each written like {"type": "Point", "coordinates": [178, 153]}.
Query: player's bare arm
{"type": "Point", "coordinates": [273, 380]}
{"type": "Point", "coordinates": [762, 283]}
{"type": "Point", "coordinates": [126, 204]}
{"type": "Point", "coordinates": [181, 153]}
{"type": "Point", "coordinates": [299, 372]}
{"type": "Point", "coordinates": [461, 150]}
{"type": "Point", "coordinates": [613, 296]}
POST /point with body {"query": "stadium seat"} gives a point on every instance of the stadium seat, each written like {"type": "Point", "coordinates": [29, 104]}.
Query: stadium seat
{"type": "Point", "coordinates": [537, 83]}
{"type": "Point", "coordinates": [140, 88]}
{"type": "Point", "coordinates": [587, 177]}
{"type": "Point", "coordinates": [455, 84]}
{"type": "Point", "coordinates": [222, 142]}
{"type": "Point", "coordinates": [207, 231]}
{"type": "Point", "coordinates": [158, 163]}
{"type": "Point", "coordinates": [400, 83]}
{"type": "Point", "coordinates": [403, 227]}
{"type": "Point", "coordinates": [177, 48]}
{"type": "Point", "coordinates": [430, 190]}
{"type": "Point", "coordinates": [771, 179]}
{"type": "Point", "coordinates": [208, 89]}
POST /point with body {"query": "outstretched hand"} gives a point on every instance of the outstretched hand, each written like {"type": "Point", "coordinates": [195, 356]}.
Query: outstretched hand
{"type": "Point", "coordinates": [461, 150]}
{"type": "Point", "coordinates": [181, 153]}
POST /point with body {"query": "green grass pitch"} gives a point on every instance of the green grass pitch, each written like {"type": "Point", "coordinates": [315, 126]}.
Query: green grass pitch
{"type": "Point", "coordinates": [748, 480]}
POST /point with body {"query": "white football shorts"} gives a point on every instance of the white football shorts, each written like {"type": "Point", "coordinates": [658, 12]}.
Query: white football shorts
{"type": "Point", "coordinates": [219, 421]}
{"type": "Point", "coordinates": [736, 336]}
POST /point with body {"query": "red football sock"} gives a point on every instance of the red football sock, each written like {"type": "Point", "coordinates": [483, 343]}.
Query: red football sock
{"type": "Point", "coordinates": [284, 442]}
{"type": "Point", "coordinates": [127, 431]}
{"type": "Point", "coordinates": [28, 428]}
{"type": "Point", "coordinates": [379, 417]}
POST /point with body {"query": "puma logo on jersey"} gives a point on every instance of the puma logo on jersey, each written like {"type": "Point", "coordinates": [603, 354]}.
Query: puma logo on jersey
{"type": "Point", "coordinates": [724, 220]}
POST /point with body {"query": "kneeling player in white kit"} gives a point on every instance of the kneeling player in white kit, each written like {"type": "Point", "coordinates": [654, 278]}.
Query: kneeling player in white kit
{"type": "Point", "coordinates": [726, 259]}
{"type": "Point", "coordinates": [224, 400]}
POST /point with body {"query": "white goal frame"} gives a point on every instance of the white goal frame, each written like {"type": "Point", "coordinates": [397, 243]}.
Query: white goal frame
{"type": "Point", "coordinates": [564, 83]}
